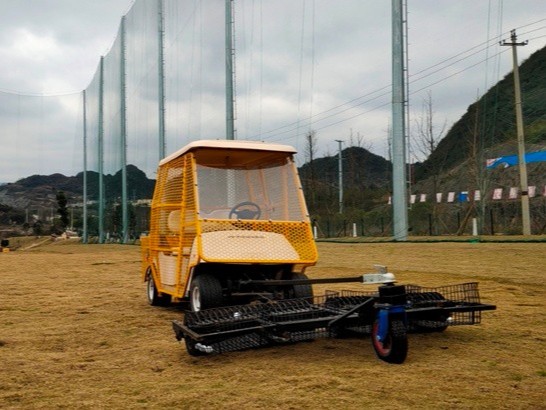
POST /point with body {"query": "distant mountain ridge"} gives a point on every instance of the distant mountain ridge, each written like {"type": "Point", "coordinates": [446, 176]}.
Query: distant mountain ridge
{"type": "Point", "coordinates": [40, 190]}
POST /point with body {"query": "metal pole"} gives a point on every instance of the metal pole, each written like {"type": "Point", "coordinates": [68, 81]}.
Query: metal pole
{"type": "Point", "coordinates": [407, 122]}
{"type": "Point", "coordinates": [123, 115]}
{"type": "Point", "coordinates": [399, 197]}
{"type": "Point", "coordinates": [101, 151]}
{"type": "Point", "coordinates": [525, 219]}
{"type": "Point", "coordinates": [161, 78]}
{"type": "Point", "coordinates": [230, 126]}
{"type": "Point", "coordinates": [84, 233]}
{"type": "Point", "coordinates": [72, 218]}
{"type": "Point", "coordinates": [340, 177]}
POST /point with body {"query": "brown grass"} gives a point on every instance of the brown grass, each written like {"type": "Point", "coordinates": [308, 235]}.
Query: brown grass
{"type": "Point", "coordinates": [76, 332]}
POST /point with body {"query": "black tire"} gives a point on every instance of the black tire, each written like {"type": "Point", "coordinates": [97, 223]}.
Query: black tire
{"type": "Point", "coordinates": [421, 299]}
{"type": "Point", "coordinates": [205, 292]}
{"type": "Point", "coordinates": [153, 296]}
{"type": "Point", "coordinates": [301, 291]}
{"type": "Point", "coordinates": [435, 324]}
{"type": "Point", "coordinates": [394, 348]}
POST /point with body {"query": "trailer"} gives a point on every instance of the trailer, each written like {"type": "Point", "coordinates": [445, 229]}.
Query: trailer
{"type": "Point", "coordinates": [230, 235]}
{"type": "Point", "coordinates": [387, 315]}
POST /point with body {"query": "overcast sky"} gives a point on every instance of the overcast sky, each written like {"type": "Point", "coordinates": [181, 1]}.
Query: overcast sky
{"type": "Point", "coordinates": [323, 65]}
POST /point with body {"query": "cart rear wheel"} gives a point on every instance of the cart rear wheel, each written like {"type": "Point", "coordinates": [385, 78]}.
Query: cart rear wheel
{"type": "Point", "coordinates": [302, 291]}
{"type": "Point", "coordinates": [394, 349]}
{"type": "Point", "coordinates": [154, 298]}
{"type": "Point", "coordinates": [205, 292]}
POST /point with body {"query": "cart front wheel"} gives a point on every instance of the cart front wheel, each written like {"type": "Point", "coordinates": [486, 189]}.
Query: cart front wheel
{"type": "Point", "coordinates": [394, 349]}
{"type": "Point", "coordinates": [205, 292]}
{"type": "Point", "coordinates": [154, 298]}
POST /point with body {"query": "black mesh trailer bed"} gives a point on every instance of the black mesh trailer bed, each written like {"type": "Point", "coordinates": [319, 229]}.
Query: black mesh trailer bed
{"type": "Point", "coordinates": [388, 315]}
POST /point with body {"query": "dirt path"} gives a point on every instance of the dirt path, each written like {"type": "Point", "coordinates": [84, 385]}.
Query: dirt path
{"type": "Point", "coordinates": [76, 332]}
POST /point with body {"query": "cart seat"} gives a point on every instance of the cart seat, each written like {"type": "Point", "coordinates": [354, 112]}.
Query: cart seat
{"type": "Point", "coordinates": [173, 222]}
{"type": "Point", "coordinates": [215, 214]}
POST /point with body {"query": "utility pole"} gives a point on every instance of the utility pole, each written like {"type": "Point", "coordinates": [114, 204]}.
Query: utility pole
{"type": "Point", "coordinates": [525, 219]}
{"type": "Point", "coordinates": [340, 175]}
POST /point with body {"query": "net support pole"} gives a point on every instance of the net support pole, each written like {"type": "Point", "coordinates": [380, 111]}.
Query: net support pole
{"type": "Point", "coordinates": [161, 77]}
{"type": "Point", "coordinates": [84, 216]}
{"type": "Point", "coordinates": [101, 151]}
{"type": "Point", "coordinates": [123, 142]}
{"type": "Point", "coordinates": [230, 120]}
{"type": "Point", "coordinates": [399, 194]}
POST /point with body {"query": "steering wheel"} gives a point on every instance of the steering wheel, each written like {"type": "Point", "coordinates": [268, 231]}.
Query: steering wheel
{"type": "Point", "coordinates": [249, 210]}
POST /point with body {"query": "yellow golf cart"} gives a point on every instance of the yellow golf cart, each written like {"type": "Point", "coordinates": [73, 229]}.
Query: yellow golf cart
{"type": "Point", "coordinates": [226, 218]}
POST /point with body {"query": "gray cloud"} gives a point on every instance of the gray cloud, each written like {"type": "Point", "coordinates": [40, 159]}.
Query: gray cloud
{"type": "Point", "coordinates": [331, 63]}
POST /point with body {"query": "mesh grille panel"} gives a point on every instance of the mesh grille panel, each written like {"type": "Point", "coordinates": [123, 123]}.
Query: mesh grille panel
{"type": "Point", "coordinates": [462, 294]}
{"type": "Point", "coordinates": [173, 225]}
{"type": "Point", "coordinates": [275, 189]}
{"type": "Point", "coordinates": [298, 234]}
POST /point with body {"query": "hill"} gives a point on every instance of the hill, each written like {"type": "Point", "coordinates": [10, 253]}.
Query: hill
{"type": "Point", "coordinates": [366, 181]}
{"type": "Point", "coordinates": [490, 121]}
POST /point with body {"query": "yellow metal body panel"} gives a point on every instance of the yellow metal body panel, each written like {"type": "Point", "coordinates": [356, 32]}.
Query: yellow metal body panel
{"type": "Point", "coordinates": [183, 235]}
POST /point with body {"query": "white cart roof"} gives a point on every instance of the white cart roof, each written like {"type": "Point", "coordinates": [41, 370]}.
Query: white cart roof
{"type": "Point", "coordinates": [229, 144]}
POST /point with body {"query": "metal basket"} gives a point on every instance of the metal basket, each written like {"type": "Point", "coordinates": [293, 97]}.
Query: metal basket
{"type": "Point", "coordinates": [333, 314]}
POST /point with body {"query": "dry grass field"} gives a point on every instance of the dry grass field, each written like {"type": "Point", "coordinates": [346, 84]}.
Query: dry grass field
{"type": "Point", "coordinates": [76, 332]}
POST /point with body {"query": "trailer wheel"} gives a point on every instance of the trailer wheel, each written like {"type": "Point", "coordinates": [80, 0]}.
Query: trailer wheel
{"type": "Point", "coordinates": [394, 349]}
{"type": "Point", "coordinates": [205, 292]}
{"type": "Point", "coordinates": [301, 291]}
{"type": "Point", "coordinates": [154, 298]}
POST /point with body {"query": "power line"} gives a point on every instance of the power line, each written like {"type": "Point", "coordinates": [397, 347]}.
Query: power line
{"type": "Point", "coordinates": [369, 100]}
{"type": "Point", "coordinates": [488, 43]}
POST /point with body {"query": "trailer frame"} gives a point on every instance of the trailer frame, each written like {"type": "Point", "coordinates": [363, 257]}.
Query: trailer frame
{"type": "Point", "coordinates": [387, 314]}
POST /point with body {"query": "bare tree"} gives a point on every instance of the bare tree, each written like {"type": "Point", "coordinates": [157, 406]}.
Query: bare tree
{"type": "Point", "coordinates": [428, 132]}
{"type": "Point", "coordinates": [428, 136]}
{"type": "Point", "coordinates": [359, 141]}
{"type": "Point", "coordinates": [476, 171]}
